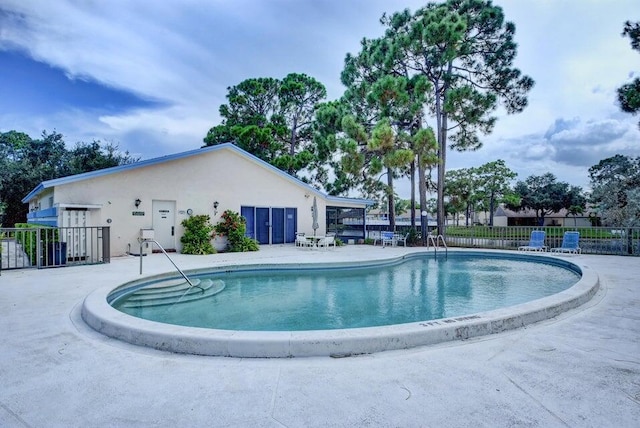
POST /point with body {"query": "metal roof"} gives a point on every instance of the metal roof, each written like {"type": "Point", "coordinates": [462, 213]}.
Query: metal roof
{"type": "Point", "coordinates": [159, 160]}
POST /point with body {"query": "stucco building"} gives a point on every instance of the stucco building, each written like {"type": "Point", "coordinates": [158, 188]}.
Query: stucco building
{"type": "Point", "coordinates": [159, 193]}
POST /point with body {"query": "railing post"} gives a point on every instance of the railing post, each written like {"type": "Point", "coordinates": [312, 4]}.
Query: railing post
{"type": "Point", "coordinates": [106, 244]}
{"type": "Point", "coordinates": [39, 253]}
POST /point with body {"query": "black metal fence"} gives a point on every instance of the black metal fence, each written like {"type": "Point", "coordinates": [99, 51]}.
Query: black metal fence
{"type": "Point", "coordinates": [44, 247]}
{"type": "Point", "coordinates": [593, 240]}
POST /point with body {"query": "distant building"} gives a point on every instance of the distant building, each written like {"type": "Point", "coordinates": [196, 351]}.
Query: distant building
{"type": "Point", "coordinates": [506, 217]}
{"type": "Point", "coordinates": [377, 217]}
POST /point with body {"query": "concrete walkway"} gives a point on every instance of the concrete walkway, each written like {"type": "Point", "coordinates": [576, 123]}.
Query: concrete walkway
{"type": "Point", "coordinates": [581, 369]}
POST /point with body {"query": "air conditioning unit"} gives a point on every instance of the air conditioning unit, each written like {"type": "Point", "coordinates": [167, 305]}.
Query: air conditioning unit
{"type": "Point", "coordinates": [147, 234]}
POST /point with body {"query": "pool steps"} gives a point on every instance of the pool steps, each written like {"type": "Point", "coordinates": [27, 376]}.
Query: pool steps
{"type": "Point", "coordinates": [171, 292]}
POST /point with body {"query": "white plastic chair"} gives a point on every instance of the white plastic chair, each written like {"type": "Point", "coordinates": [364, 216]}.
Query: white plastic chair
{"type": "Point", "coordinates": [386, 238]}
{"type": "Point", "coordinates": [327, 241]}
{"type": "Point", "coordinates": [401, 238]}
{"type": "Point", "coordinates": [302, 241]}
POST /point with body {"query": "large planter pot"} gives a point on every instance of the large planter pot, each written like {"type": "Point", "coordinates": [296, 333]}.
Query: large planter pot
{"type": "Point", "coordinates": [221, 243]}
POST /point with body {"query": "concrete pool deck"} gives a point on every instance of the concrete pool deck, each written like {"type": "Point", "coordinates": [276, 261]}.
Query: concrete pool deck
{"type": "Point", "coordinates": [581, 368]}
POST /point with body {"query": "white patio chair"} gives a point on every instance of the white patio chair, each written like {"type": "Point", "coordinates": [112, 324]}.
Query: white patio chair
{"type": "Point", "coordinates": [327, 241]}
{"type": "Point", "coordinates": [401, 238]}
{"type": "Point", "coordinates": [386, 238]}
{"type": "Point", "coordinates": [302, 241]}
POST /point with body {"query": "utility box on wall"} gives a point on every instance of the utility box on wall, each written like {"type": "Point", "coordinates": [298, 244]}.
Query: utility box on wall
{"type": "Point", "coordinates": [147, 234]}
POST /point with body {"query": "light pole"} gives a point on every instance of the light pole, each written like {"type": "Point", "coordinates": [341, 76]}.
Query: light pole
{"type": "Point", "coordinates": [423, 227]}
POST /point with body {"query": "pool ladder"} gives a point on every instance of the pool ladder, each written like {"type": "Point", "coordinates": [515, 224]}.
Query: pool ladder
{"type": "Point", "coordinates": [145, 240]}
{"type": "Point", "coordinates": [435, 241]}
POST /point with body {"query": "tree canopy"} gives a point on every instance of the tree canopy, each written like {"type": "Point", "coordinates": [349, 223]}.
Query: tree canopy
{"type": "Point", "coordinates": [545, 195]}
{"type": "Point", "coordinates": [272, 119]}
{"type": "Point", "coordinates": [382, 100]}
{"type": "Point", "coordinates": [460, 190]}
{"type": "Point", "coordinates": [629, 93]}
{"type": "Point", "coordinates": [451, 62]}
{"type": "Point", "coordinates": [615, 184]}
{"type": "Point", "coordinates": [465, 49]}
{"type": "Point", "coordinates": [481, 188]}
{"type": "Point", "coordinates": [494, 185]}
{"type": "Point", "coordinates": [26, 162]}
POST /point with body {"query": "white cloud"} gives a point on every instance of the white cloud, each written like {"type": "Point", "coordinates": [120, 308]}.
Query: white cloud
{"type": "Point", "coordinates": [186, 53]}
{"type": "Point", "coordinates": [539, 151]}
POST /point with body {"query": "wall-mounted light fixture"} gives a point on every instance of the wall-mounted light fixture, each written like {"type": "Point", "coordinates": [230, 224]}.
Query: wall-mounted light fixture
{"type": "Point", "coordinates": [215, 207]}
{"type": "Point", "coordinates": [137, 202]}
{"type": "Point", "coordinates": [306, 195]}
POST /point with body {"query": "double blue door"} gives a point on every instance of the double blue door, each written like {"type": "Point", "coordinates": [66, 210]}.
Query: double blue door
{"type": "Point", "coordinates": [271, 225]}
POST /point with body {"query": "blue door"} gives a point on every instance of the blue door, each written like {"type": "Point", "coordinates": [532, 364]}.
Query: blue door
{"type": "Point", "coordinates": [290, 224]}
{"type": "Point", "coordinates": [277, 225]}
{"type": "Point", "coordinates": [262, 225]}
{"type": "Point", "coordinates": [271, 225]}
{"type": "Point", "coordinates": [249, 214]}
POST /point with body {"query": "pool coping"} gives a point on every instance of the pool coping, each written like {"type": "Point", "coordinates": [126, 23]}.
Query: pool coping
{"type": "Point", "coordinates": [102, 317]}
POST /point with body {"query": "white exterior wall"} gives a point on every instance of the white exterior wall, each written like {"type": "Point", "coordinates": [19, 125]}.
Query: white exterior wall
{"type": "Point", "coordinates": [578, 222]}
{"type": "Point", "coordinates": [43, 201]}
{"type": "Point", "coordinates": [193, 182]}
{"type": "Point", "coordinates": [500, 220]}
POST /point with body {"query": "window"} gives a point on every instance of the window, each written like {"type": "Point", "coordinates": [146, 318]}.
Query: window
{"type": "Point", "coordinates": [346, 223]}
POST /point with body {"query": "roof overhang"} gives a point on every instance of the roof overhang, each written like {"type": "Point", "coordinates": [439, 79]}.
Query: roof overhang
{"type": "Point", "coordinates": [226, 146]}
{"type": "Point", "coordinates": [81, 206]}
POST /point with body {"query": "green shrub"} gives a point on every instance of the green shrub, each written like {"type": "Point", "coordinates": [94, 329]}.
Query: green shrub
{"type": "Point", "coordinates": [197, 235]}
{"type": "Point", "coordinates": [234, 226]}
{"type": "Point", "coordinates": [412, 238]}
{"type": "Point", "coordinates": [368, 241]}
{"type": "Point", "coordinates": [28, 239]}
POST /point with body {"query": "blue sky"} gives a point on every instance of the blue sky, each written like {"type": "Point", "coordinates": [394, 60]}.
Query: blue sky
{"type": "Point", "coordinates": [150, 76]}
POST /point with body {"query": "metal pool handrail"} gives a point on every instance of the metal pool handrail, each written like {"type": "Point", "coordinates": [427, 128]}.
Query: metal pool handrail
{"type": "Point", "coordinates": [191, 284]}
{"type": "Point", "coordinates": [435, 241]}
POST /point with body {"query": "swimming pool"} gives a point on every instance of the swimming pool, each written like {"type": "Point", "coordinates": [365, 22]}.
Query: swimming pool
{"type": "Point", "coordinates": [447, 321]}
{"type": "Point", "coordinates": [416, 288]}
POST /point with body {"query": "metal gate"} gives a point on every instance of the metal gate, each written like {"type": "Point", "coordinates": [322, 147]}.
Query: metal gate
{"type": "Point", "coordinates": [43, 247]}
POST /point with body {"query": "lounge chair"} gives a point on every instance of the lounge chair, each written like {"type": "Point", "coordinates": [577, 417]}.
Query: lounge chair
{"type": "Point", "coordinates": [570, 242]}
{"type": "Point", "coordinates": [536, 242]}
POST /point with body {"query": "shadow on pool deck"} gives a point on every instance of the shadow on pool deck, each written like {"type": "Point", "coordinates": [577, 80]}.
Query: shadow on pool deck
{"type": "Point", "coordinates": [579, 369]}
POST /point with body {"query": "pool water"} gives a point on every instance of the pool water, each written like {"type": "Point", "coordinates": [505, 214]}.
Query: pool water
{"type": "Point", "coordinates": [418, 288]}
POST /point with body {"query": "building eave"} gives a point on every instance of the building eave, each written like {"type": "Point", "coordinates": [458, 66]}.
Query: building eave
{"type": "Point", "coordinates": [149, 162]}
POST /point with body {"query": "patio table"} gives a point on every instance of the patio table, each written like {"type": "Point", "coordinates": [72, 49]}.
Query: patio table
{"type": "Point", "coordinates": [314, 239]}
